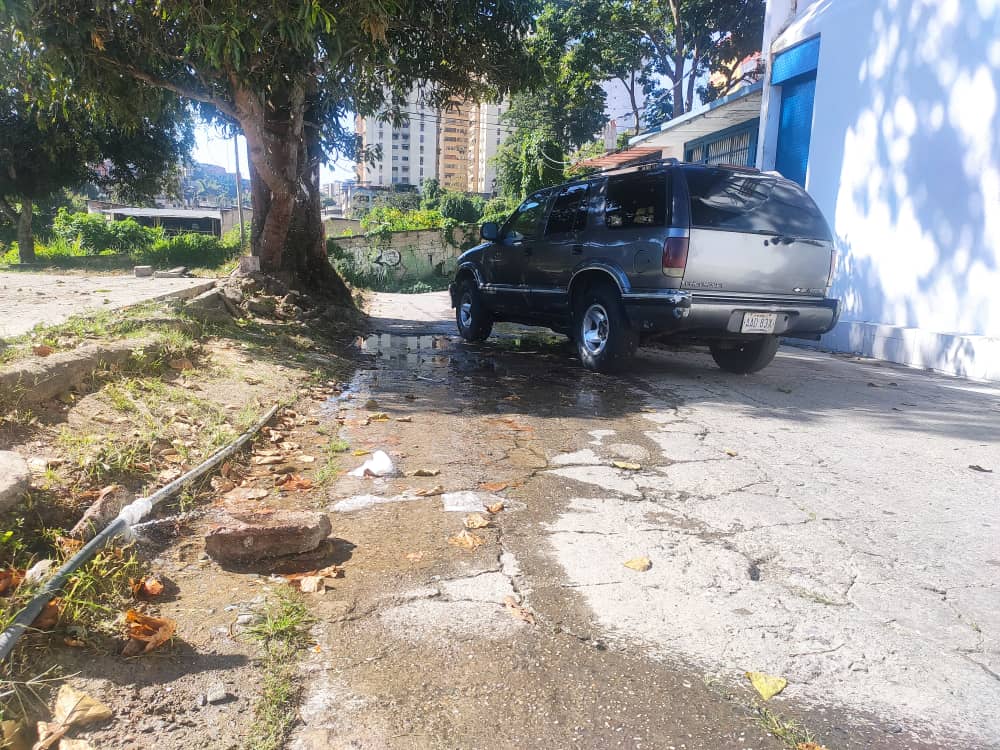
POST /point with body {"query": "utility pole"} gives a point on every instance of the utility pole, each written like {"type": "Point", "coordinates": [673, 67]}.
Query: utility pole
{"type": "Point", "coordinates": [239, 192]}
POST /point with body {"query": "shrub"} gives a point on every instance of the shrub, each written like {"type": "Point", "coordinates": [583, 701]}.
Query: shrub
{"type": "Point", "coordinates": [90, 231]}
{"type": "Point", "coordinates": [194, 250]}
{"type": "Point", "coordinates": [461, 208]}
{"type": "Point", "coordinates": [498, 210]}
{"type": "Point", "coordinates": [96, 235]}
{"type": "Point", "coordinates": [387, 219]}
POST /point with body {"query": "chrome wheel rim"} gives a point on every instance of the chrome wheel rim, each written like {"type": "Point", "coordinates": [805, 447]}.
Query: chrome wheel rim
{"type": "Point", "coordinates": [594, 330]}
{"type": "Point", "coordinates": [465, 311]}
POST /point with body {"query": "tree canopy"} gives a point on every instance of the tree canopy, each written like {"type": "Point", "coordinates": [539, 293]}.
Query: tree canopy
{"type": "Point", "coordinates": [287, 75]}
{"type": "Point", "coordinates": [45, 149]}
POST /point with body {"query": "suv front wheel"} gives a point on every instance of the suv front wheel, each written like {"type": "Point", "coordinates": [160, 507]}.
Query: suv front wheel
{"type": "Point", "coordinates": [474, 321]}
{"type": "Point", "coordinates": [745, 357]}
{"type": "Point", "coordinates": [601, 331]}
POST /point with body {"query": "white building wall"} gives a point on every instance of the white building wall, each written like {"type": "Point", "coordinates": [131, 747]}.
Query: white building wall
{"type": "Point", "coordinates": [403, 148]}
{"type": "Point", "coordinates": [904, 161]}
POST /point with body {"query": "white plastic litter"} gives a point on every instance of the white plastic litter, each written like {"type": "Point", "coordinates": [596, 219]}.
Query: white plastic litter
{"type": "Point", "coordinates": [359, 502]}
{"type": "Point", "coordinates": [379, 465]}
{"type": "Point", "coordinates": [463, 502]}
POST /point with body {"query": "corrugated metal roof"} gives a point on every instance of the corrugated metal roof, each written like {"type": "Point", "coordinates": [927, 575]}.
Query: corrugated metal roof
{"type": "Point", "coordinates": [622, 158]}
{"type": "Point", "coordinates": [165, 213]}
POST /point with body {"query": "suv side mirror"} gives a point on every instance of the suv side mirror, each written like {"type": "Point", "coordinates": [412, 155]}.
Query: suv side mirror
{"type": "Point", "coordinates": [490, 231]}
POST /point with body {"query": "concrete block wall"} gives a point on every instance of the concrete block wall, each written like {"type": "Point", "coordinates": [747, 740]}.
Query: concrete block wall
{"type": "Point", "coordinates": [420, 255]}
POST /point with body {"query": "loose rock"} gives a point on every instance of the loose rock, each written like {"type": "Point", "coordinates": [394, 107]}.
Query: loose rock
{"type": "Point", "coordinates": [14, 478]}
{"type": "Point", "coordinates": [244, 538]}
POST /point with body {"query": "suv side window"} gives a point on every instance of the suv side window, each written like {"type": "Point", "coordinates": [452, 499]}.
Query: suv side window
{"type": "Point", "coordinates": [636, 200]}
{"type": "Point", "coordinates": [569, 213]}
{"type": "Point", "coordinates": [749, 202]}
{"type": "Point", "coordinates": [524, 222]}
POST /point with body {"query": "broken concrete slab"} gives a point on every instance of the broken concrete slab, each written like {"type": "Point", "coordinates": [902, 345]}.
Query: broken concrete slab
{"type": "Point", "coordinates": [251, 537]}
{"type": "Point", "coordinates": [14, 479]}
{"type": "Point", "coordinates": [173, 273]}
{"type": "Point", "coordinates": [142, 271]}
{"type": "Point", "coordinates": [209, 307]}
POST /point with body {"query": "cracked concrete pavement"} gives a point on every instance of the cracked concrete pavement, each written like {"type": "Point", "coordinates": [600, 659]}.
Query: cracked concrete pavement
{"type": "Point", "coordinates": [28, 298]}
{"type": "Point", "coordinates": [822, 521]}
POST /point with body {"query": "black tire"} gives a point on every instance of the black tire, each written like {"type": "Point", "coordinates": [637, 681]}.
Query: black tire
{"type": "Point", "coordinates": [474, 321]}
{"type": "Point", "coordinates": [745, 357]}
{"type": "Point", "coordinates": [601, 331]}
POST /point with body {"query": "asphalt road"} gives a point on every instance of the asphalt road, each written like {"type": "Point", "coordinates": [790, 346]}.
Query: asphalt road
{"type": "Point", "coordinates": [830, 521]}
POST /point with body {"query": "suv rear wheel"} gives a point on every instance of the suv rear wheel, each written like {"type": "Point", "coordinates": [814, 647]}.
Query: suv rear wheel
{"type": "Point", "coordinates": [745, 357]}
{"type": "Point", "coordinates": [601, 331]}
{"type": "Point", "coordinates": [474, 321]}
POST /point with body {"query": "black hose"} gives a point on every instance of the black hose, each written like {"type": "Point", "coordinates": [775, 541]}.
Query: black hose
{"type": "Point", "coordinates": [131, 514]}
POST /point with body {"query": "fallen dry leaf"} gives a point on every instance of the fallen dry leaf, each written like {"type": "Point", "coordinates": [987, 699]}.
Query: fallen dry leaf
{"type": "Point", "coordinates": [379, 417]}
{"type": "Point", "coordinates": [312, 585]}
{"type": "Point", "coordinates": [518, 611]}
{"type": "Point", "coordinates": [332, 571]}
{"type": "Point", "coordinates": [181, 363]}
{"type": "Point", "coordinates": [304, 459]}
{"type": "Point", "coordinates": [74, 642]}
{"type": "Point", "coordinates": [153, 631]}
{"type": "Point", "coordinates": [49, 733]}
{"type": "Point", "coordinates": [809, 746]}
{"type": "Point", "coordinates": [168, 475]}
{"type": "Point", "coordinates": [245, 493]}
{"type": "Point", "coordinates": [415, 556]}
{"type": "Point", "coordinates": [294, 482]}
{"type": "Point", "coordinates": [266, 460]}
{"type": "Point", "coordinates": [730, 452]}
{"type": "Point", "coordinates": [12, 735]}
{"type": "Point", "coordinates": [42, 350]}
{"type": "Point", "coordinates": [627, 465]}
{"type": "Point", "coordinates": [404, 419]}
{"type": "Point", "coordinates": [226, 469]}
{"type": "Point", "coordinates": [425, 473]}
{"type": "Point", "coordinates": [466, 540]}
{"type": "Point", "coordinates": [74, 707]}
{"type": "Point", "coordinates": [360, 453]}
{"type": "Point", "coordinates": [146, 587]}
{"type": "Point", "coordinates": [641, 564]}
{"type": "Point", "coordinates": [476, 521]}
{"type": "Point", "coordinates": [10, 579]}
{"type": "Point", "coordinates": [493, 486]}
{"type": "Point", "coordinates": [767, 685]}
{"type": "Point", "coordinates": [494, 508]}
{"type": "Point", "coordinates": [222, 484]}
{"type": "Point", "coordinates": [49, 617]}
{"type": "Point", "coordinates": [509, 424]}
{"type": "Point", "coordinates": [430, 492]}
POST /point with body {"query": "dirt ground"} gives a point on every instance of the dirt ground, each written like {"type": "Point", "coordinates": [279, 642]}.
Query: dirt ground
{"type": "Point", "coordinates": [526, 631]}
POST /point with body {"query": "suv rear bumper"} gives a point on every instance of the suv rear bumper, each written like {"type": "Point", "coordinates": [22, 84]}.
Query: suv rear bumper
{"type": "Point", "coordinates": [711, 315]}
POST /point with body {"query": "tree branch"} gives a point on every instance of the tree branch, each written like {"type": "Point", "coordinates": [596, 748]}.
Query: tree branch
{"type": "Point", "coordinates": [8, 209]}
{"type": "Point", "coordinates": [188, 93]}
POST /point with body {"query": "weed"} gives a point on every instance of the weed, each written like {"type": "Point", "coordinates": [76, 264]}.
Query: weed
{"type": "Point", "coordinates": [789, 731]}
{"type": "Point", "coordinates": [285, 624]}
{"type": "Point", "coordinates": [337, 445]}
{"type": "Point", "coordinates": [99, 458]}
{"type": "Point", "coordinates": [94, 594]}
{"type": "Point", "coordinates": [283, 630]}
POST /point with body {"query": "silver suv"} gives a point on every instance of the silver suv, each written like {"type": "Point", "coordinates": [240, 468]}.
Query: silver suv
{"type": "Point", "coordinates": [681, 253]}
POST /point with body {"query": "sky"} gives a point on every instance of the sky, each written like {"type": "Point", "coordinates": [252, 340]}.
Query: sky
{"type": "Point", "coordinates": [212, 147]}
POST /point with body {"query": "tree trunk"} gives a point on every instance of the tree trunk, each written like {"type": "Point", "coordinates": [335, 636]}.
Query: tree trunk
{"type": "Point", "coordinates": [25, 239]}
{"type": "Point", "coordinates": [287, 229]}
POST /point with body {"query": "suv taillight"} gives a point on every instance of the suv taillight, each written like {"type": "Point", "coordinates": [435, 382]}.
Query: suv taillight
{"type": "Point", "coordinates": [833, 266]}
{"type": "Point", "coordinates": [675, 256]}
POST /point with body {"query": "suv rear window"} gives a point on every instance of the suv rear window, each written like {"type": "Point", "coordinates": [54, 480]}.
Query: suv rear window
{"type": "Point", "coordinates": [636, 200]}
{"type": "Point", "coordinates": [747, 202]}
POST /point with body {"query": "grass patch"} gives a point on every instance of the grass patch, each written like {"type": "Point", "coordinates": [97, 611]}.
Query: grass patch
{"type": "Point", "coordinates": [790, 732]}
{"type": "Point", "coordinates": [282, 633]}
{"type": "Point", "coordinates": [328, 472]}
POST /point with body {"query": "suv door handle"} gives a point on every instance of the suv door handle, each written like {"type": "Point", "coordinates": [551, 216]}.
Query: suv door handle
{"type": "Point", "coordinates": [577, 249]}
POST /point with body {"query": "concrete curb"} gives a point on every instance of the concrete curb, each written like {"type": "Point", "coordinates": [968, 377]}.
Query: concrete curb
{"type": "Point", "coordinates": [37, 380]}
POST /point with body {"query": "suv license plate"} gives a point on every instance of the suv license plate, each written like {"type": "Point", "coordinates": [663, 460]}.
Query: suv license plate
{"type": "Point", "coordinates": [754, 322]}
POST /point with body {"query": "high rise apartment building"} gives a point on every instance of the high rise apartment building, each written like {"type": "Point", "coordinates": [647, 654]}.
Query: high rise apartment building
{"type": "Point", "coordinates": [454, 145]}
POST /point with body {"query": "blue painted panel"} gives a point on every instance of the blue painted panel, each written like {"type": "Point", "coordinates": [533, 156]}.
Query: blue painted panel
{"type": "Point", "coordinates": [801, 59]}
{"type": "Point", "coordinates": [795, 128]}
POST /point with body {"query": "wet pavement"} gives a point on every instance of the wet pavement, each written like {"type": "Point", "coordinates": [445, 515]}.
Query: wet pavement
{"type": "Point", "coordinates": [820, 521]}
